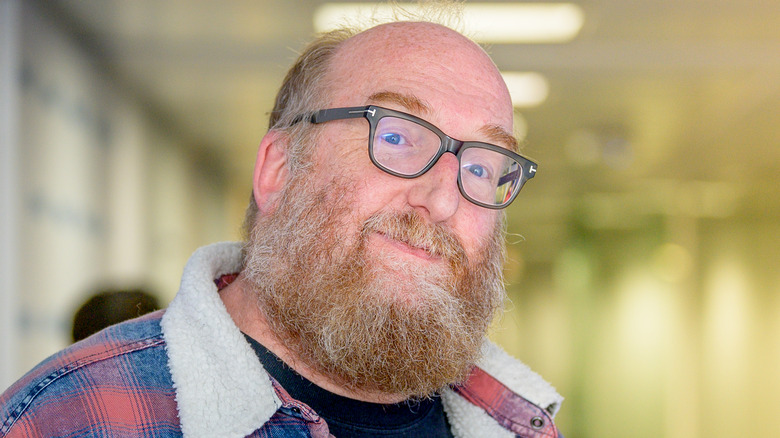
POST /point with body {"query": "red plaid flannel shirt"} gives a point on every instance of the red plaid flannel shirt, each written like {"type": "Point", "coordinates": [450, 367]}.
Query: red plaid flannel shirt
{"type": "Point", "coordinates": [117, 383]}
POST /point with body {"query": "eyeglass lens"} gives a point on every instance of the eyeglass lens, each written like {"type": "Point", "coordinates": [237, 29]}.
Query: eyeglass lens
{"type": "Point", "coordinates": [405, 147]}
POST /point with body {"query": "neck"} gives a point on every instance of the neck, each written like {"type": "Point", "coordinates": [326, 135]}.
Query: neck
{"type": "Point", "coordinates": [250, 319]}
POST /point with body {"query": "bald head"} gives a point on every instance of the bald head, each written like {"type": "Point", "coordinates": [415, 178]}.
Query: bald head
{"type": "Point", "coordinates": [439, 66]}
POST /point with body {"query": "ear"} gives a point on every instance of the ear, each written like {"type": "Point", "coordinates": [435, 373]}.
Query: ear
{"type": "Point", "coordinates": [270, 170]}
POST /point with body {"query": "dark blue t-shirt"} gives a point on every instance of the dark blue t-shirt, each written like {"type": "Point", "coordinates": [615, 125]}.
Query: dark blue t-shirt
{"type": "Point", "coordinates": [349, 418]}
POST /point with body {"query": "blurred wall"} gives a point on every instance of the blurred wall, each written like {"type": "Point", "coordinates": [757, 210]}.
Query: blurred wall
{"type": "Point", "coordinates": [9, 66]}
{"type": "Point", "coordinates": [104, 193]}
{"type": "Point", "coordinates": [654, 323]}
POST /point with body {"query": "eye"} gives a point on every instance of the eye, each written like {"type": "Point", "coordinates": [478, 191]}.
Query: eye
{"type": "Point", "coordinates": [477, 170]}
{"type": "Point", "coordinates": [393, 138]}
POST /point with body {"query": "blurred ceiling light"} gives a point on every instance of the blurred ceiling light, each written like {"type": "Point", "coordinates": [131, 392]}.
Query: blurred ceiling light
{"type": "Point", "coordinates": [527, 89]}
{"type": "Point", "coordinates": [485, 22]}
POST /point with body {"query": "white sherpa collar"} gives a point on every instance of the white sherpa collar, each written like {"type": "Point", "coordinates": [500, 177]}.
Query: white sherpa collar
{"type": "Point", "coordinates": [223, 390]}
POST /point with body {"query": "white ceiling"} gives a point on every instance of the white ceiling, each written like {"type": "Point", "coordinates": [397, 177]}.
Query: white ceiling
{"type": "Point", "coordinates": [658, 107]}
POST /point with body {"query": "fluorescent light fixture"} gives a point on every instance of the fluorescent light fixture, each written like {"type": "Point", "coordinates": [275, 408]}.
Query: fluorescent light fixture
{"type": "Point", "coordinates": [523, 22]}
{"type": "Point", "coordinates": [527, 89]}
{"type": "Point", "coordinates": [485, 22]}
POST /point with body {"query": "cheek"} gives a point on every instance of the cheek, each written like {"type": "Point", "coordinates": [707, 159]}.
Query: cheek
{"type": "Point", "coordinates": [374, 191]}
{"type": "Point", "coordinates": [366, 188]}
{"type": "Point", "coordinates": [475, 227]}
{"type": "Point", "coordinates": [342, 153]}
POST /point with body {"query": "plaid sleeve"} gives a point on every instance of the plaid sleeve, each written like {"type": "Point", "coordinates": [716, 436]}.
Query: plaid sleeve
{"type": "Point", "coordinates": [115, 383]}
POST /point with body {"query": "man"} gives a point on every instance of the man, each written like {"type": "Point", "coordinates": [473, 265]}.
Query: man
{"type": "Point", "coordinates": [359, 303]}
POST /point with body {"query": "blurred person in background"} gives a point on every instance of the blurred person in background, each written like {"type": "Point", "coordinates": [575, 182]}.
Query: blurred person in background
{"type": "Point", "coordinates": [359, 302]}
{"type": "Point", "coordinates": [108, 307]}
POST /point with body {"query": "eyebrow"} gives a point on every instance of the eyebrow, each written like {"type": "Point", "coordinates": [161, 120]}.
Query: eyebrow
{"type": "Point", "coordinates": [499, 135]}
{"type": "Point", "coordinates": [412, 103]}
{"type": "Point", "coordinates": [415, 105]}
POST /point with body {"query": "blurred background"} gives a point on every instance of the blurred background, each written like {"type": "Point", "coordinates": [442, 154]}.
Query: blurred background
{"type": "Point", "coordinates": [643, 257]}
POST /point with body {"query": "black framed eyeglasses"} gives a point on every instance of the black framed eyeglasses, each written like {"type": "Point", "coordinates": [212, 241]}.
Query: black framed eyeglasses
{"type": "Point", "coordinates": [407, 146]}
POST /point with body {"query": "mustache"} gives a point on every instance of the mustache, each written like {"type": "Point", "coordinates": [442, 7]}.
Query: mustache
{"type": "Point", "coordinates": [410, 228]}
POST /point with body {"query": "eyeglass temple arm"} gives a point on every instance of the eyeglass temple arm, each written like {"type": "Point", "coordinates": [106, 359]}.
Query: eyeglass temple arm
{"type": "Point", "coordinates": [327, 115]}
{"type": "Point", "coordinates": [512, 175]}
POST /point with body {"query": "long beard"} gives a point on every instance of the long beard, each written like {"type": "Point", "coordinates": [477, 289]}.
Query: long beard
{"type": "Point", "coordinates": [372, 321]}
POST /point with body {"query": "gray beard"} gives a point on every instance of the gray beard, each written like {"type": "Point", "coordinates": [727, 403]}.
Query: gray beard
{"type": "Point", "coordinates": [371, 321]}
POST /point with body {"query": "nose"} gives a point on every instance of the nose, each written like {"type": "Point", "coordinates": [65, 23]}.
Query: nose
{"type": "Point", "coordinates": [436, 193]}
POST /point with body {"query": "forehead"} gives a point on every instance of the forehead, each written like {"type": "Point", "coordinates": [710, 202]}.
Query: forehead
{"type": "Point", "coordinates": [436, 65]}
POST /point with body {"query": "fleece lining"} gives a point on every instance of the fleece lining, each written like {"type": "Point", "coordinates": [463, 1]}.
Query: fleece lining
{"type": "Point", "coordinates": [223, 390]}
